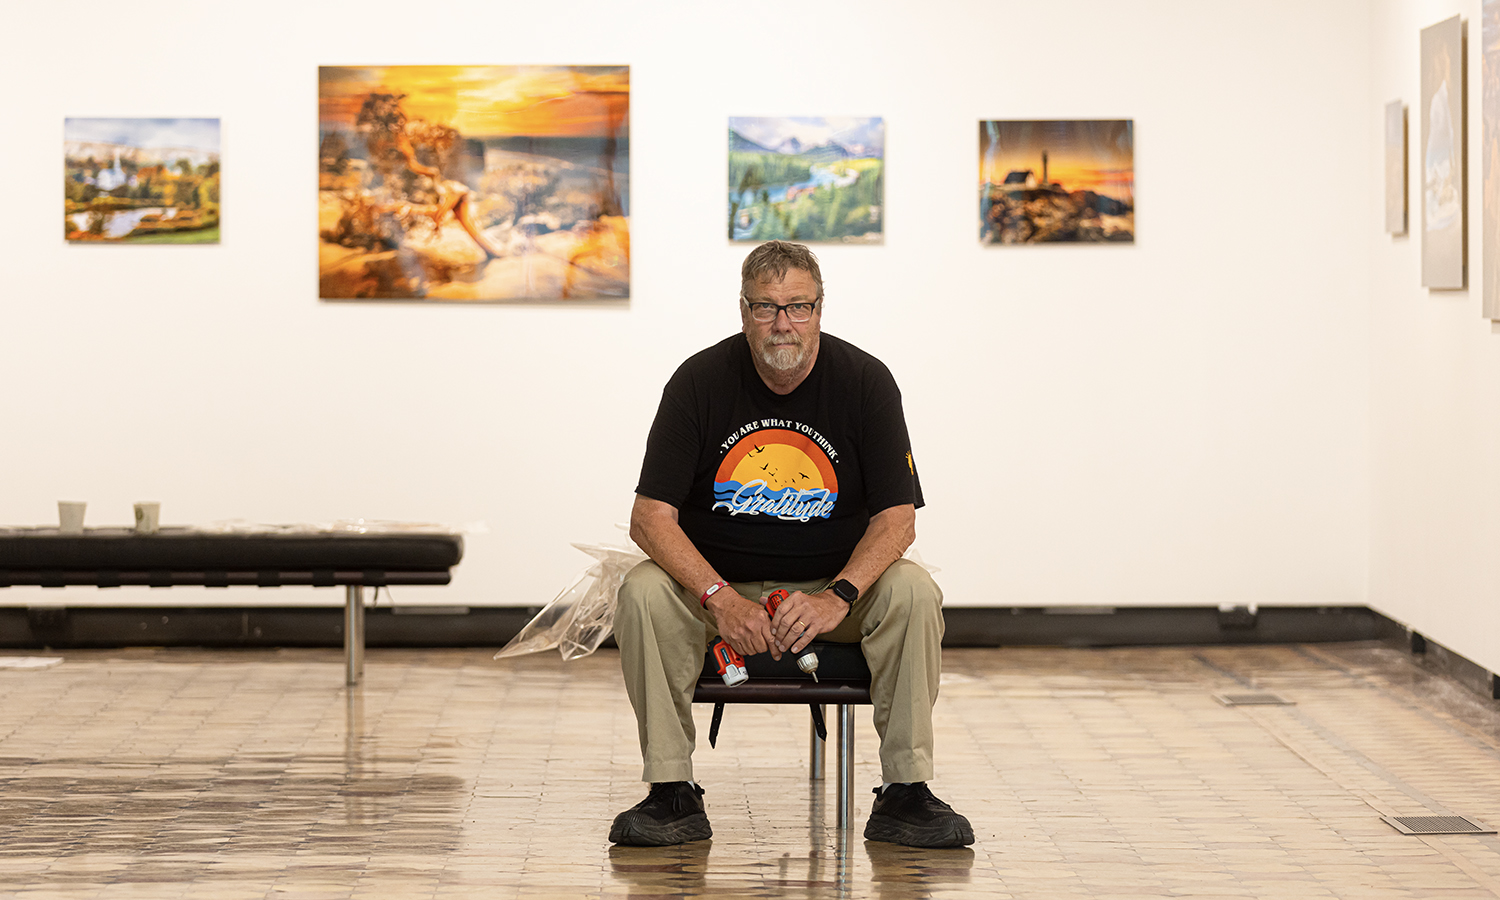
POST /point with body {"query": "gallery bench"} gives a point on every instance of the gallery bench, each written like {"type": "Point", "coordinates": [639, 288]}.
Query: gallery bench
{"type": "Point", "coordinates": [843, 681]}
{"type": "Point", "coordinates": [114, 557]}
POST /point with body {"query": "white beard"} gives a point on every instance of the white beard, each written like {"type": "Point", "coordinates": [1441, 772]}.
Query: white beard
{"type": "Point", "coordinates": [783, 353]}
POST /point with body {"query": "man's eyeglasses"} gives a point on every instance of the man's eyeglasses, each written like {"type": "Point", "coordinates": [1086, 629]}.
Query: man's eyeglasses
{"type": "Point", "coordinates": [762, 311]}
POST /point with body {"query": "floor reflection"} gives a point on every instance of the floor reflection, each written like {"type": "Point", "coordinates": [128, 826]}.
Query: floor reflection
{"type": "Point", "coordinates": [358, 808]}
{"type": "Point", "coordinates": [1086, 773]}
{"type": "Point", "coordinates": [252, 804]}
{"type": "Point", "coordinates": [661, 871]}
{"type": "Point", "coordinates": [901, 872]}
{"type": "Point", "coordinates": [891, 871]}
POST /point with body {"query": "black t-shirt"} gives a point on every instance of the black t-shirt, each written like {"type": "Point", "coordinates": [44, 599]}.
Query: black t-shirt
{"type": "Point", "coordinates": [772, 487]}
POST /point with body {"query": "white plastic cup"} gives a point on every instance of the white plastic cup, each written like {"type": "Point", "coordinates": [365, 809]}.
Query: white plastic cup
{"type": "Point", "coordinates": [70, 516]}
{"type": "Point", "coordinates": [147, 517]}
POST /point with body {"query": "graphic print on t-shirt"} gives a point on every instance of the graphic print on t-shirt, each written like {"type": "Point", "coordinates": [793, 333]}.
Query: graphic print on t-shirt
{"type": "Point", "coordinates": [776, 472]}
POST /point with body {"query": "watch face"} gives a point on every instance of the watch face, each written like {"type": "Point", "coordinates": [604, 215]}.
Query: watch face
{"type": "Point", "coordinates": [846, 591]}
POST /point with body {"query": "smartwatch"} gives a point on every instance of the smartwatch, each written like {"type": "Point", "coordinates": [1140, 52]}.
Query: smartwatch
{"type": "Point", "coordinates": [846, 591]}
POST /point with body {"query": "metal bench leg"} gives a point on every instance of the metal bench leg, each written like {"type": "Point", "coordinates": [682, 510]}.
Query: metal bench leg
{"type": "Point", "coordinates": [354, 634]}
{"type": "Point", "coordinates": [846, 765]}
{"type": "Point", "coordinates": [815, 749]}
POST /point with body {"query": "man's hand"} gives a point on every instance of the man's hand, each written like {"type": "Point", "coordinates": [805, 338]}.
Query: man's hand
{"type": "Point", "coordinates": [743, 624]}
{"type": "Point", "coordinates": [802, 617]}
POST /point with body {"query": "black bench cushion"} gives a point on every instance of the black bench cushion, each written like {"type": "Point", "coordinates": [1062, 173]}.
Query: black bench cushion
{"type": "Point", "coordinates": [187, 550]}
{"type": "Point", "coordinates": [843, 677]}
{"type": "Point", "coordinates": [836, 662]}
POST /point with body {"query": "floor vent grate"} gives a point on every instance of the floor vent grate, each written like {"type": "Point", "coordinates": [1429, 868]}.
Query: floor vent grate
{"type": "Point", "coordinates": [1261, 699]}
{"type": "Point", "coordinates": [1436, 825]}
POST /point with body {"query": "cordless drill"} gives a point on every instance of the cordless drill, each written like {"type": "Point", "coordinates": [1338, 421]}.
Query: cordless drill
{"type": "Point", "coordinates": [807, 662]}
{"type": "Point", "coordinates": [732, 666]}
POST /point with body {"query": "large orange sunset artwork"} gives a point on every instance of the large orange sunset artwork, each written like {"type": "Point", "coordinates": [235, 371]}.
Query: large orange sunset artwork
{"type": "Point", "coordinates": [474, 183]}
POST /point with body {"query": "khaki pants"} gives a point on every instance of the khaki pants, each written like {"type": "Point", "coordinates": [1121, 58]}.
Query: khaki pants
{"type": "Point", "coordinates": [663, 634]}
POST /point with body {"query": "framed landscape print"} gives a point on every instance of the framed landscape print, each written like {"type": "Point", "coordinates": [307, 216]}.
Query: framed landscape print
{"type": "Point", "coordinates": [1057, 180]}
{"type": "Point", "coordinates": [474, 183]}
{"type": "Point", "coordinates": [809, 179]}
{"type": "Point", "coordinates": [141, 181]}
{"type": "Point", "coordinates": [1442, 156]}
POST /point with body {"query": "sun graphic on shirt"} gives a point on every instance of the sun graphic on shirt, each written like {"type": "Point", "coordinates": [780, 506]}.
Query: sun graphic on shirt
{"type": "Point", "coordinates": [779, 466]}
{"type": "Point", "coordinates": [779, 459]}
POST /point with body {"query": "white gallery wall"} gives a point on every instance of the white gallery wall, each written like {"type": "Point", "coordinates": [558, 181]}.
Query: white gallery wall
{"type": "Point", "coordinates": [1182, 421]}
{"type": "Point", "coordinates": [1435, 380]}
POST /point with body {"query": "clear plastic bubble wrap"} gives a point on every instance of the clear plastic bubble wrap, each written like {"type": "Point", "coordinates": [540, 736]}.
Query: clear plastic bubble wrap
{"type": "Point", "coordinates": [578, 620]}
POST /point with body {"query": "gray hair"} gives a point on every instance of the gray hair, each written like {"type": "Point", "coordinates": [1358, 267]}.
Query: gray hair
{"type": "Point", "coordinates": [771, 260]}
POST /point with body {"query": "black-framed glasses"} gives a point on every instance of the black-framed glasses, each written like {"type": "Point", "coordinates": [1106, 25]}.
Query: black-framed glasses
{"type": "Point", "coordinates": [765, 311]}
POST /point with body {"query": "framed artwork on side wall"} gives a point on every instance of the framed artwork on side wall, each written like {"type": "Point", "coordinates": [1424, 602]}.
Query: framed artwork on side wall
{"type": "Point", "coordinates": [1395, 167]}
{"type": "Point", "coordinates": [1442, 155]}
{"type": "Point", "coordinates": [141, 181]}
{"type": "Point", "coordinates": [1057, 180]}
{"type": "Point", "coordinates": [474, 183]}
{"type": "Point", "coordinates": [1490, 143]}
{"type": "Point", "coordinates": [807, 178]}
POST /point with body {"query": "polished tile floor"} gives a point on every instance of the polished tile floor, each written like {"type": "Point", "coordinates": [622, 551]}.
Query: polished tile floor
{"type": "Point", "coordinates": [1086, 773]}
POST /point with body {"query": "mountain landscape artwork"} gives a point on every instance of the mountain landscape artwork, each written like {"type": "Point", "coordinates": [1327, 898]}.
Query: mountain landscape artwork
{"type": "Point", "coordinates": [810, 179]}
{"type": "Point", "coordinates": [474, 183]}
{"type": "Point", "coordinates": [141, 181]}
{"type": "Point", "coordinates": [1057, 180]}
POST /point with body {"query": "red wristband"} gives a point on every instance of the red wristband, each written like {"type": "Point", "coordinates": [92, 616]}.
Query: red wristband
{"type": "Point", "coordinates": [712, 589]}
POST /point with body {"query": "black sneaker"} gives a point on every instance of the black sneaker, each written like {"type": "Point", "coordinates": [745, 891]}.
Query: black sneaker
{"type": "Point", "coordinates": [672, 813]}
{"type": "Point", "coordinates": [909, 814]}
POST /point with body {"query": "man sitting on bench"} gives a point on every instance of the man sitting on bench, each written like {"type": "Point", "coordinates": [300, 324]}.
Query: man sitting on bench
{"type": "Point", "coordinates": [780, 459]}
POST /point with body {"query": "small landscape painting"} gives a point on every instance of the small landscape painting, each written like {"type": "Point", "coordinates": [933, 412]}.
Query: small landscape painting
{"type": "Point", "coordinates": [141, 181]}
{"type": "Point", "coordinates": [1057, 180]}
{"type": "Point", "coordinates": [474, 183]}
{"type": "Point", "coordinates": [811, 179]}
